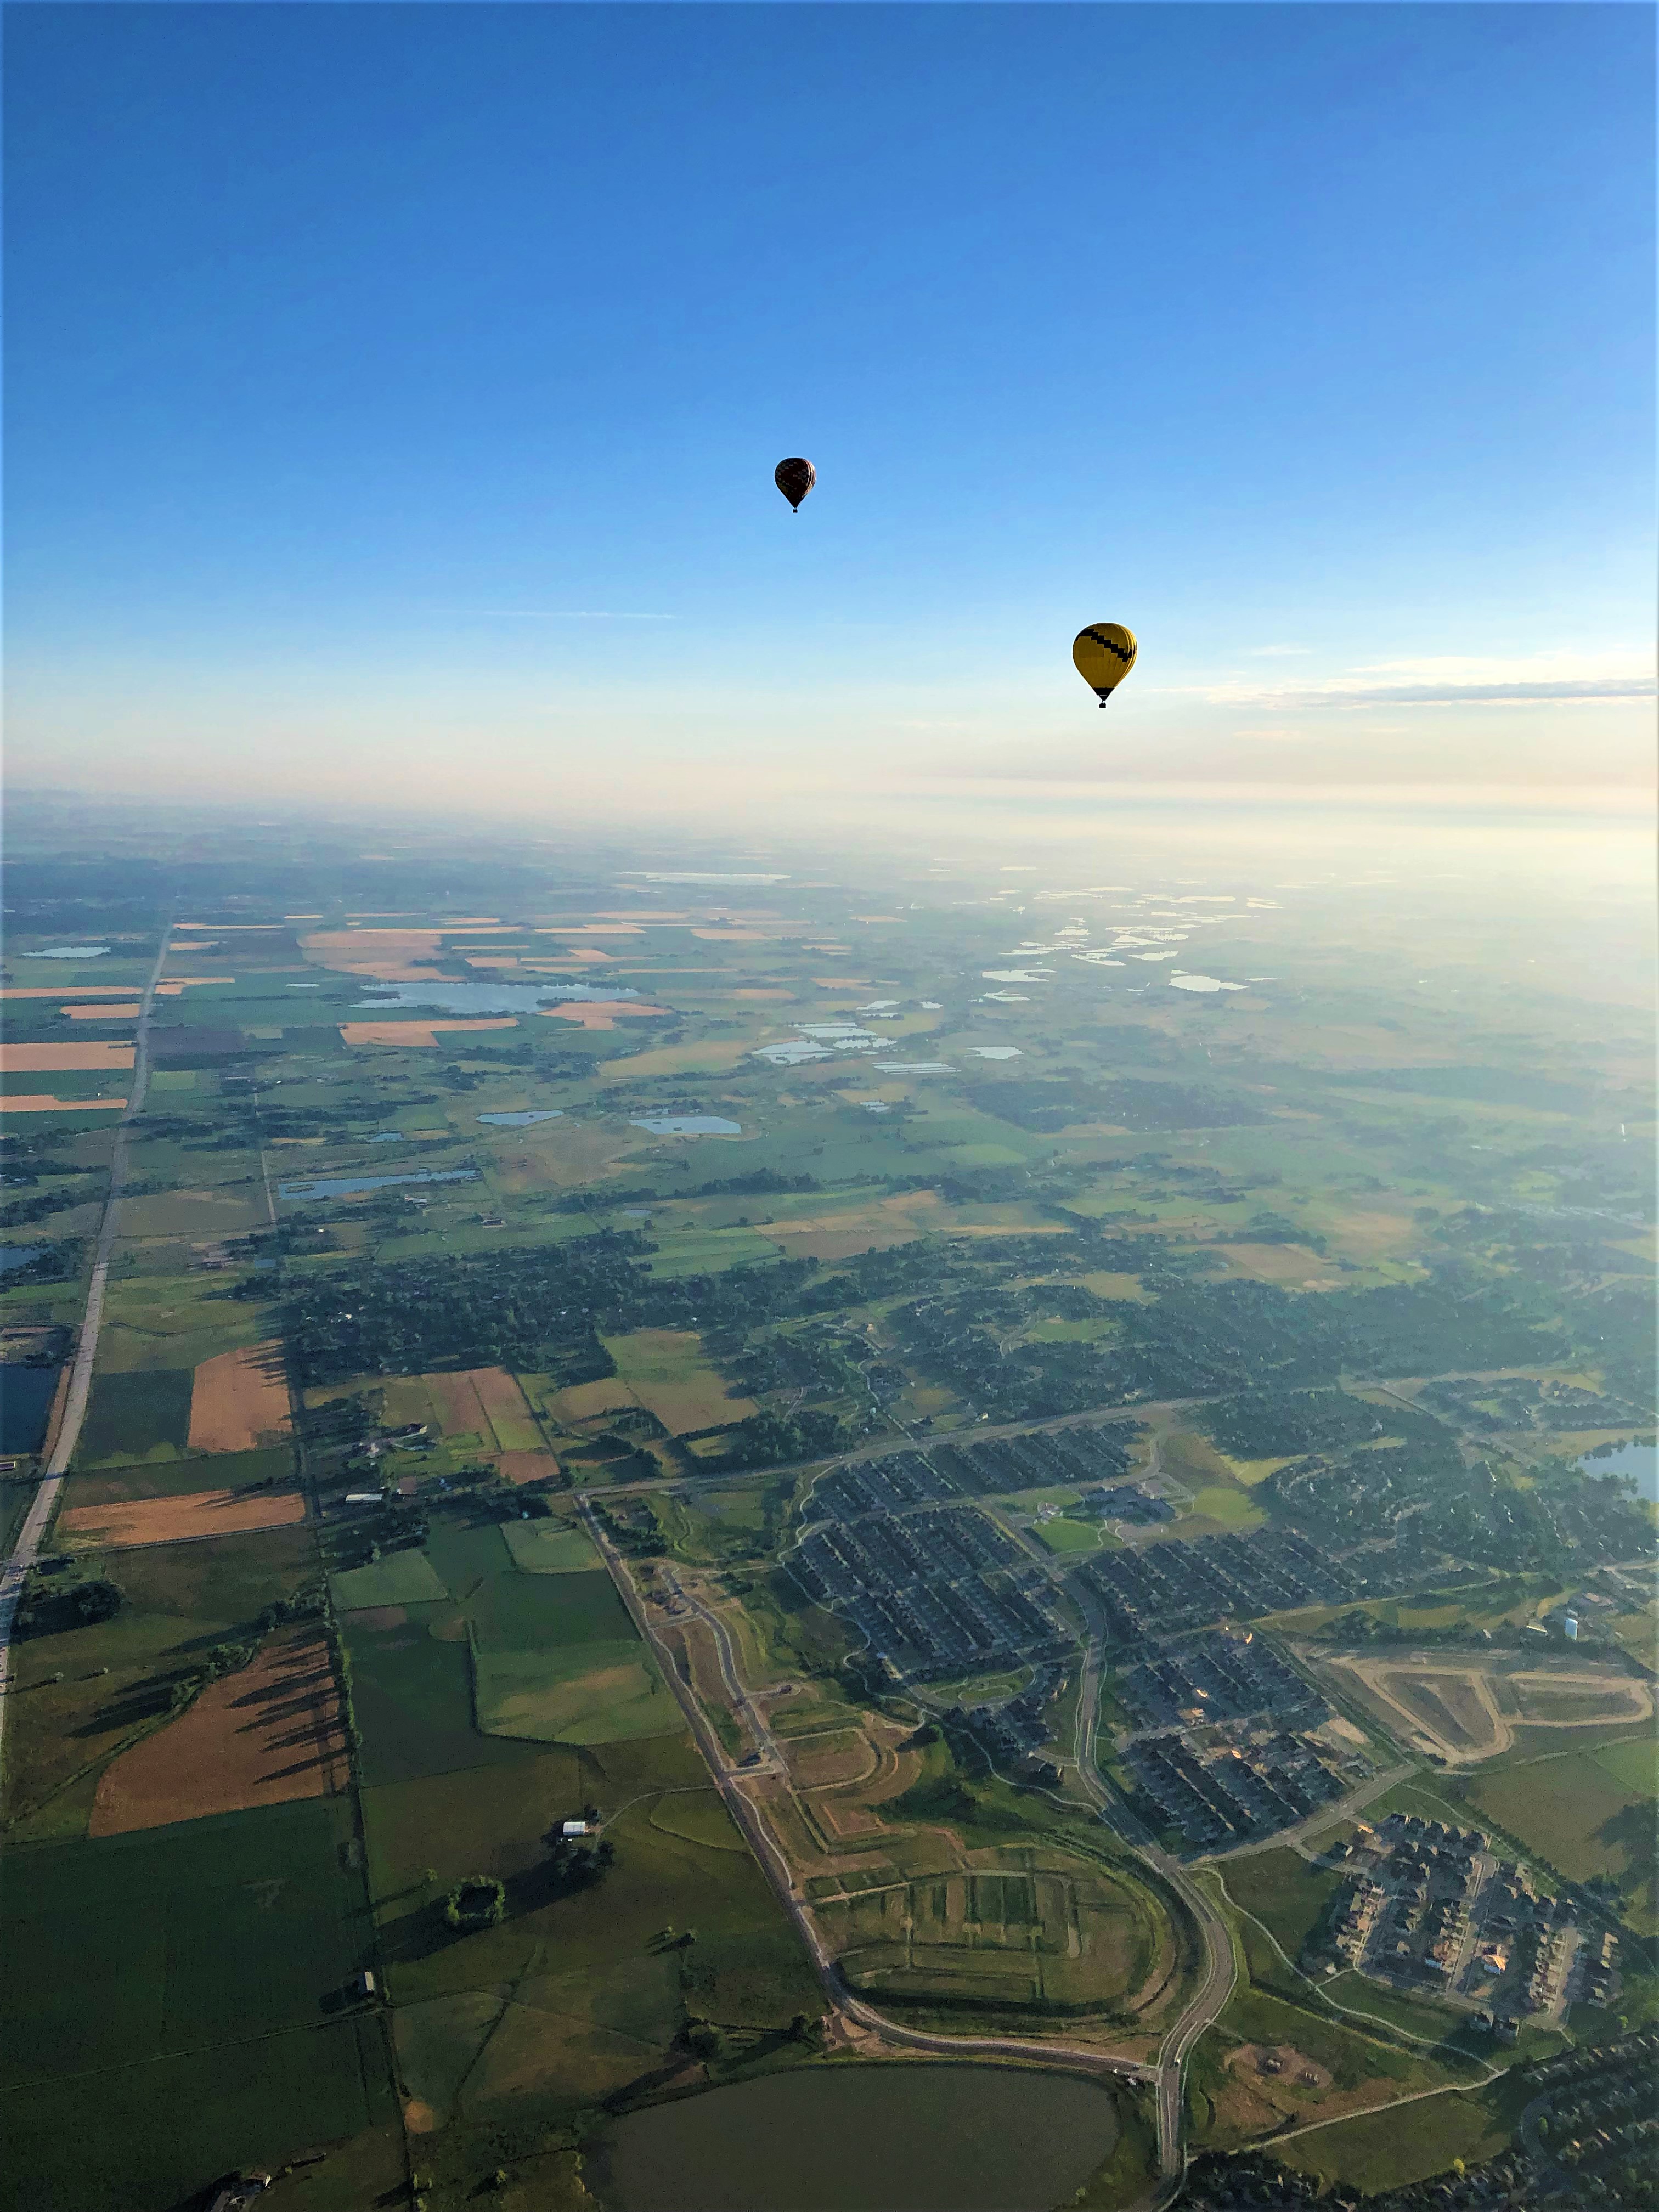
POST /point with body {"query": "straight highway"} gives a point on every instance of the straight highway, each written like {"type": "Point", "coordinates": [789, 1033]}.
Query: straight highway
{"type": "Point", "coordinates": [15, 1573]}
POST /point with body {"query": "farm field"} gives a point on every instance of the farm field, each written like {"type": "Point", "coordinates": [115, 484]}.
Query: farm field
{"type": "Point", "coordinates": [264, 1735]}
{"type": "Point", "coordinates": [83, 1693]}
{"type": "Point", "coordinates": [249, 1910]}
{"type": "Point", "coordinates": [186, 1517]}
{"type": "Point", "coordinates": [239, 1400]}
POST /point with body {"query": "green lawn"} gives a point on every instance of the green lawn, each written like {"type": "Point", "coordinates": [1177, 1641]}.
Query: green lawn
{"type": "Point", "coordinates": [1061, 1535]}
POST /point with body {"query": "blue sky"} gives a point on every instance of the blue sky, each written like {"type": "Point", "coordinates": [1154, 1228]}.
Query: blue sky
{"type": "Point", "coordinates": [397, 389]}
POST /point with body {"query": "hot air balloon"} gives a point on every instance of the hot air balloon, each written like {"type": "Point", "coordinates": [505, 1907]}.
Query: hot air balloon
{"type": "Point", "coordinates": [795, 479]}
{"type": "Point", "coordinates": [1104, 654]}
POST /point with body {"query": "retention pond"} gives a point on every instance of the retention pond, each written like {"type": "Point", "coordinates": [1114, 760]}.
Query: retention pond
{"type": "Point", "coordinates": [865, 2139]}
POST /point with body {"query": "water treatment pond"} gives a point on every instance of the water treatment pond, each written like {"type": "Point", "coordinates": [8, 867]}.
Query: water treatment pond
{"type": "Point", "coordinates": [523, 1119]}
{"type": "Point", "coordinates": [25, 1396]}
{"type": "Point", "coordinates": [686, 1125]}
{"type": "Point", "coordinates": [869, 2139]}
{"type": "Point", "coordinates": [483, 998]}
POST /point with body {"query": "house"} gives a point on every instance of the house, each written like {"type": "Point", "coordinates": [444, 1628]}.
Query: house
{"type": "Point", "coordinates": [573, 1827]}
{"type": "Point", "coordinates": [363, 1984]}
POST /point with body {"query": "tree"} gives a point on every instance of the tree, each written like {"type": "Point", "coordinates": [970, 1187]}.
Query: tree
{"type": "Point", "coordinates": [704, 2040]}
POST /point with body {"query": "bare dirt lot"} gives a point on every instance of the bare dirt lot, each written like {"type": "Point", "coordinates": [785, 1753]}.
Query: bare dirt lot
{"type": "Point", "coordinates": [240, 1400]}
{"type": "Point", "coordinates": [166, 1520]}
{"type": "Point", "coordinates": [1465, 1713]}
{"type": "Point", "coordinates": [269, 1734]}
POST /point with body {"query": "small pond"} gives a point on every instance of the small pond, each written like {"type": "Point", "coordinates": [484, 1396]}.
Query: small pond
{"type": "Point", "coordinates": [67, 952]}
{"type": "Point", "coordinates": [868, 2139]}
{"type": "Point", "coordinates": [25, 1396]}
{"type": "Point", "coordinates": [523, 1121]}
{"type": "Point", "coordinates": [1640, 1462]}
{"type": "Point", "coordinates": [485, 998]}
{"type": "Point", "coordinates": [346, 1186]}
{"type": "Point", "coordinates": [685, 1125]}
{"type": "Point", "coordinates": [17, 1255]}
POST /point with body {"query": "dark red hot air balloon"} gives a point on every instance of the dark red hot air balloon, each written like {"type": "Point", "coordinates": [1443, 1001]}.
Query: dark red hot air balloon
{"type": "Point", "coordinates": [795, 479]}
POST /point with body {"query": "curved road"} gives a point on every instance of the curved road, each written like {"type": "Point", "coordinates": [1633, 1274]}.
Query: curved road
{"type": "Point", "coordinates": [1075, 2058]}
{"type": "Point", "coordinates": [26, 1549]}
{"type": "Point", "coordinates": [1220, 1966]}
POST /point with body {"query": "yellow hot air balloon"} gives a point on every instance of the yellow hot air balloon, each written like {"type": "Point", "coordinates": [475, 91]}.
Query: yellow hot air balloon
{"type": "Point", "coordinates": [1105, 653]}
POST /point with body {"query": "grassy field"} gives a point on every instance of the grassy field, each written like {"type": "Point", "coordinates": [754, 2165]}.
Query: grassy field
{"type": "Point", "coordinates": [592, 1693]}
{"type": "Point", "coordinates": [578, 1992]}
{"type": "Point", "coordinates": [406, 1578]}
{"type": "Point", "coordinates": [147, 2135]}
{"type": "Point", "coordinates": [549, 1547]}
{"type": "Point", "coordinates": [1285, 1892]}
{"type": "Point", "coordinates": [115, 1485]}
{"type": "Point", "coordinates": [192, 1936]}
{"type": "Point", "coordinates": [1409, 2144]}
{"type": "Point", "coordinates": [1586, 1811]}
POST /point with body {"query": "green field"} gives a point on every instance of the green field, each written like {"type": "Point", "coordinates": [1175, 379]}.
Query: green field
{"type": "Point", "coordinates": [249, 1470]}
{"type": "Point", "coordinates": [594, 1694]}
{"type": "Point", "coordinates": [405, 1577]}
{"type": "Point", "coordinates": [549, 1547]}
{"type": "Point", "coordinates": [411, 1686]}
{"type": "Point", "coordinates": [1285, 1893]}
{"type": "Point", "coordinates": [137, 1417]}
{"type": "Point", "coordinates": [1406, 2145]}
{"type": "Point", "coordinates": [189, 1935]}
{"type": "Point", "coordinates": [1588, 1812]}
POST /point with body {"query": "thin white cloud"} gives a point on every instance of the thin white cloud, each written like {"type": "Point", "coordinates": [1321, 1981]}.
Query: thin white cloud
{"type": "Point", "coordinates": [1450, 680]}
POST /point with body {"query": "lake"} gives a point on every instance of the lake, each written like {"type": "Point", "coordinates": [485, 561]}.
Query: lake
{"type": "Point", "coordinates": [66, 952]}
{"type": "Point", "coordinates": [862, 2139]}
{"type": "Point", "coordinates": [523, 1121]}
{"type": "Point", "coordinates": [346, 1186]}
{"type": "Point", "coordinates": [685, 1125]}
{"type": "Point", "coordinates": [485, 998]}
{"type": "Point", "coordinates": [1639, 1460]}
{"type": "Point", "coordinates": [25, 1396]}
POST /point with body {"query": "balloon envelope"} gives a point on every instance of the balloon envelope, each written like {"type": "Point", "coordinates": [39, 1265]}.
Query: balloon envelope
{"type": "Point", "coordinates": [795, 479]}
{"type": "Point", "coordinates": [1105, 653]}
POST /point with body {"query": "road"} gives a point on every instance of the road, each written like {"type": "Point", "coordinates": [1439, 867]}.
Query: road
{"type": "Point", "coordinates": [25, 1551]}
{"type": "Point", "coordinates": [1220, 1968]}
{"type": "Point", "coordinates": [1075, 2058]}
{"type": "Point", "coordinates": [772, 1760]}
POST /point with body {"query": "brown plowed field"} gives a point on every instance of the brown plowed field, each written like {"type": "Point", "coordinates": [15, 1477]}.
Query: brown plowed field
{"type": "Point", "coordinates": [597, 1014]}
{"type": "Point", "coordinates": [416, 1033]}
{"type": "Point", "coordinates": [43, 1103]}
{"type": "Point", "coordinates": [260, 1737]}
{"type": "Point", "coordinates": [239, 1400]}
{"type": "Point", "coordinates": [527, 1466]}
{"type": "Point", "coordinates": [44, 1059]}
{"type": "Point", "coordinates": [198, 1513]}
